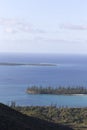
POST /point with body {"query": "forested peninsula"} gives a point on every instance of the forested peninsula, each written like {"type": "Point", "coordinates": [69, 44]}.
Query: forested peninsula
{"type": "Point", "coordinates": [56, 91]}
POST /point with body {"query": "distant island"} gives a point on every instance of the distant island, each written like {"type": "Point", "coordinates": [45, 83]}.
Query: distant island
{"type": "Point", "coordinates": [26, 64]}
{"type": "Point", "coordinates": [56, 91]}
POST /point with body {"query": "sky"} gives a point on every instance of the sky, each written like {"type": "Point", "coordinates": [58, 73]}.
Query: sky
{"type": "Point", "coordinates": [43, 26]}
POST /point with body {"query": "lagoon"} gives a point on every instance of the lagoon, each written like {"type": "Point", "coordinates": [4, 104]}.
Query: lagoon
{"type": "Point", "coordinates": [18, 94]}
{"type": "Point", "coordinates": [15, 79]}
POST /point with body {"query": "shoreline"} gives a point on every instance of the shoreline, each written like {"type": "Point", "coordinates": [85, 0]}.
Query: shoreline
{"type": "Point", "coordinates": [26, 64]}
{"type": "Point", "coordinates": [57, 94]}
{"type": "Point", "coordinates": [79, 94]}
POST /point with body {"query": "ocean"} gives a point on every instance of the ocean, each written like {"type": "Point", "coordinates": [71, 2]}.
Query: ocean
{"type": "Point", "coordinates": [65, 70]}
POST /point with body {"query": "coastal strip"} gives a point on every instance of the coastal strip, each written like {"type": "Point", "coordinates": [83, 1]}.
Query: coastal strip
{"type": "Point", "coordinates": [26, 64]}
{"type": "Point", "coordinates": [57, 91]}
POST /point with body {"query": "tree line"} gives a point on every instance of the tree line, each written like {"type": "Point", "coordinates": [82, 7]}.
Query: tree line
{"type": "Point", "coordinates": [57, 90]}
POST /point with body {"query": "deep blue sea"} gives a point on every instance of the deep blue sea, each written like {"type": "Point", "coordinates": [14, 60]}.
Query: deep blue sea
{"type": "Point", "coordinates": [70, 70]}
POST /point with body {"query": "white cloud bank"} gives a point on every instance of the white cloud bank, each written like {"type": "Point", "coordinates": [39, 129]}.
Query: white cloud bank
{"type": "Point", "coordinates": [16, 26]}
{"type": "Point", "coordinates": [73, 27]}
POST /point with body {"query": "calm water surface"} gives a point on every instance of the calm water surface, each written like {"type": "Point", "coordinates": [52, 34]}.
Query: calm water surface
{"type": "Point", "coordinates": [69, 71]}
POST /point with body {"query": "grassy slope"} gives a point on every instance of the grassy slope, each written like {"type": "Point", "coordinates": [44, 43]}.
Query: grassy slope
{"type": "Point", "coordinates": [12, 120]}
{"type": "Point", "coordinates": [75, 117]}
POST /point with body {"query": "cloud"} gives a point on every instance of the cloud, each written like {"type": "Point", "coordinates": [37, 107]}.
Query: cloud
{"type": "Point", "coordinates": [10, 30]}
{"type": "Point", "coordinates": [8, 22]}
{"type": "Point", "coordinates": [16, 26]}
{"type": "Point", "coordinates": [73, 27]}
{"type": "Point", "coordinates": [29, 29]}
{"type": "Point", "coordinates": [57, 40]}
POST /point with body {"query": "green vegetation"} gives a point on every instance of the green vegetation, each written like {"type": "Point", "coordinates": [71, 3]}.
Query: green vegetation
{"type": "Point", "coordinates": [11, 119]}
{"type": "Point", "coordinates": [59, 90]}
{"type": "Point", "coordinates": [73, 117]}
{"type": "Point", "coordinates": [42, 118]}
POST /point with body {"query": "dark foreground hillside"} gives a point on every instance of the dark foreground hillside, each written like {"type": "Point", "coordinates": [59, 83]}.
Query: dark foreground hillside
{"type": "Point", "coordinates": [13, 120]}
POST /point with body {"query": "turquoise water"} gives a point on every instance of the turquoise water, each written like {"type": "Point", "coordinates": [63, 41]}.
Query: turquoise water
{"type": "Point", "coordinates": [21, 98]}
{"type": "Point", "coordinates": [69, 71]}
